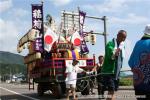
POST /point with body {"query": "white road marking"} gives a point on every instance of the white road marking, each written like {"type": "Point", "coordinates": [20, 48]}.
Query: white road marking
{"type": "Point", "coordinates": [19, 94]}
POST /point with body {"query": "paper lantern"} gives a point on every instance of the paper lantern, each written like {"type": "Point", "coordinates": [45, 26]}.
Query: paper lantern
{"type": "Point", "coordinates": [93, 39]}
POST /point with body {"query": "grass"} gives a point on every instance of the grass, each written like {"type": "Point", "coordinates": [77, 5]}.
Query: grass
{"type": "Point", "coordinates": [126, 82]}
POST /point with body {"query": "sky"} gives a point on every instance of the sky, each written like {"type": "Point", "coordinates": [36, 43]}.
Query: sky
{"type": "Point", "coordinates": [130, 15]}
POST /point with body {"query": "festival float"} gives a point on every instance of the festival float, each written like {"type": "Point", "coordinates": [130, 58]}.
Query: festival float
{"type": "Point", "coordinates": [51, 48]}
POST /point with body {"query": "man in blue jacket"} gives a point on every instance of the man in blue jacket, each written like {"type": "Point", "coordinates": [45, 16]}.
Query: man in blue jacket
{"type": "Point", "coordinates": [140, 64]}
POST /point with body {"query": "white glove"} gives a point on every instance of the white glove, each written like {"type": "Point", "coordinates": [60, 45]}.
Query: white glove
{"type": "Point", "coordinates": [89, 72]}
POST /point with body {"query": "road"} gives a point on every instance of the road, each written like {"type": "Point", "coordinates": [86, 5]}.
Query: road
{"type": "Point", "coordinates": [21, 92]}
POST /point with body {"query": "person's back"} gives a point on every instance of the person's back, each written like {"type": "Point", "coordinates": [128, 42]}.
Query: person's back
{"type": "Point", "coordinates": [140, 64]}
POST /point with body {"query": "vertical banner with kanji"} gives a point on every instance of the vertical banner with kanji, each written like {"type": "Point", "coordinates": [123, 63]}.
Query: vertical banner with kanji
{"type": "Point", "coordinates": [37, 23]}
{"type": "Point", "coordinates": [84, 48]}
{"type": "Point", "coordinates": [82, 19]}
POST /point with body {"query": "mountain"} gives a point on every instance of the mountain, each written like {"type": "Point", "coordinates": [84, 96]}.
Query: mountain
{"type": "Point", "coordinates": [11, 64]}
{"type": "Point", "coordinates": [10, 58]}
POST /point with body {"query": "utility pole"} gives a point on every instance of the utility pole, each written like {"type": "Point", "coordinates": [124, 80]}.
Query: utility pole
{"type": "Point", "coordinates": [105, 31]}
{"type": "Point", "coordinates": [10, 74]}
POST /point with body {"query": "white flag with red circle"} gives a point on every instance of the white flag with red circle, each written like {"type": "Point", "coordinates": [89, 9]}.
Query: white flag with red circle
{"type": "Point", "coordinates": [49, 38]}
{"type": "Point", "coordinates": [75, 39]}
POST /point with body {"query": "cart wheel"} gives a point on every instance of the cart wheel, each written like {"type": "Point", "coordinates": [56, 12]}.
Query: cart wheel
{"type": "Point", "coordinates": [40, 90]}
{"type": "Point", "coordinates": [57, 92]}
{"type": "Point", "coordinates": [86, 90]}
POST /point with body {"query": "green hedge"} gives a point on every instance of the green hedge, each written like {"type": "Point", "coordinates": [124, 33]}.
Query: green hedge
{"type": "Point", "coordinates": [126, 82]}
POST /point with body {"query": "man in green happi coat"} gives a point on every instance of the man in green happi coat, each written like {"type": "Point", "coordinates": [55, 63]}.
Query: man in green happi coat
{"type": "Point", "coordinates": [114, 55]}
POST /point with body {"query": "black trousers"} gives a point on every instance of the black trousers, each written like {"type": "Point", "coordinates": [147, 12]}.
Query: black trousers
{"type": "Point", "coordinates": [100, 89]}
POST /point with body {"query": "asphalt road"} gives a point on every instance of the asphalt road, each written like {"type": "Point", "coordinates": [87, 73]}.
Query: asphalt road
{"type": "Point", "coordinates": [21, 92]}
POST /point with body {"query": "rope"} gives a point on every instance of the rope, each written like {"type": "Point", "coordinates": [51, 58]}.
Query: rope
{"type": "Point", "coordinates": [87, 82]}
{"type": "Point", "coordinates": [89, 76]}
